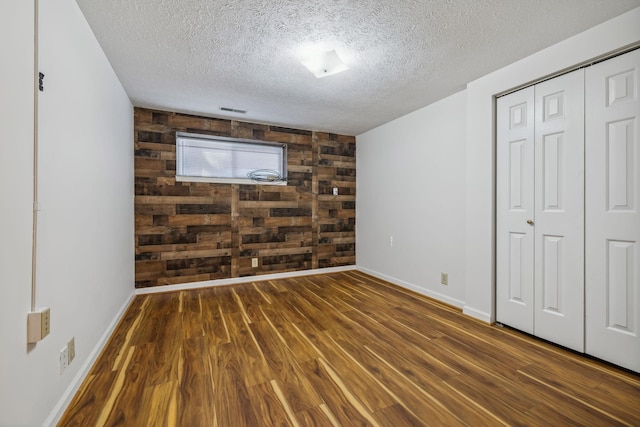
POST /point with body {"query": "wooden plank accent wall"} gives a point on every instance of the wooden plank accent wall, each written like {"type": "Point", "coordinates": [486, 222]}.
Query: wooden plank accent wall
{"type": "Point", "coordinates": [190, 232]}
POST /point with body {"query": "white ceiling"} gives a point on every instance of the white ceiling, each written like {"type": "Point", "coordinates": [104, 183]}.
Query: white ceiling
{"type": "Point", "coordinates": [196, 56]}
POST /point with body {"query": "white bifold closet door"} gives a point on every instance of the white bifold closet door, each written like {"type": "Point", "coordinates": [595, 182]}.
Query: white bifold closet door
{"type": "Point", "coordinates": [559, 211]}
{"type": "Point", "coordinates": [540, 210]}
{"type": "Point", "coordinates": [613, 210]}
{"type": "Point", "coordinates": [515, 210]}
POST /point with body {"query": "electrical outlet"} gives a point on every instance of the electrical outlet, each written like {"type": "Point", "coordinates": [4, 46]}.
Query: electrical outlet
{"type": "Point", "coordinates": [64, 359]}
{"type": "Point", "coordinates": [38, 325]}
{"type": "Point", "coordinates": [335, 191]}
{"type": "Point", "coordinates": [391, 241]}
{"type": "Point", "coordinates": [71, 345]}
{"type": "Point", "coordinates": [254, 262]}
{"type": "Point", "coordinates": [444, 278]}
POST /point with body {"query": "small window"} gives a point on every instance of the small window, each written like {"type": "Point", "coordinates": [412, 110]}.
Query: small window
{"type": "Point", "coordinates": [229, 160]}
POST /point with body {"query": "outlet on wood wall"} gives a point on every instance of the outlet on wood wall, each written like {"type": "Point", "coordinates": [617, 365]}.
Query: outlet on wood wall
{"type": "Point", "coordinates": [189, 232]}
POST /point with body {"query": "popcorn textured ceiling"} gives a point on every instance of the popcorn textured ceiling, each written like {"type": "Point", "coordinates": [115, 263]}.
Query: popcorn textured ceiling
{"type": "Point", "coordinates": [196, 56]}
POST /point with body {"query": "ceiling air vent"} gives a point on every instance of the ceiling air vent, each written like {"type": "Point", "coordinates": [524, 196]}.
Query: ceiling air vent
{"type": "Point", "coordinates": [233, 110]}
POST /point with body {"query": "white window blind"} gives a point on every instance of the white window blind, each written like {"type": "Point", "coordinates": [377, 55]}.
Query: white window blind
{"type": "Point", "coordinates": [230, 160]}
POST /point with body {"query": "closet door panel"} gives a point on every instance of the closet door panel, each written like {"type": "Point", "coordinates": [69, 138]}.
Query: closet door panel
{"type": "Point", "coordinates": [559, 210]}
{"type": "Point", "coordinates": [612, 210]}
{"type": "Point", "coordinates": [514, 206]}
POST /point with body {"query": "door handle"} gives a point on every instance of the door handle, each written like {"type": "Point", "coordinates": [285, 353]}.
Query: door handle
{"type": "Point", "coordinates": [530, 222]}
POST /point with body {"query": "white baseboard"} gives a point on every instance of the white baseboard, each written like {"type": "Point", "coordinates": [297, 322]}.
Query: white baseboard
{"type": "Point", "coordinates": [426, 292]}
{"type": "Point", "coordinates": [76, 382]}
{"type": "Point", "coordinates": [477, 314]}
{"type": "Point", "coordinates": [236, 280]}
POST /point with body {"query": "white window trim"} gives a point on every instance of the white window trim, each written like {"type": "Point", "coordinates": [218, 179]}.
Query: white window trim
{"type": "Point", "coordinates": [219, 180]}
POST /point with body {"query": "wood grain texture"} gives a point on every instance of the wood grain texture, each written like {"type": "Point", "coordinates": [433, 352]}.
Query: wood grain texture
{"type": "Point", "coordinates": [188, 232]}
{"type": "Point", "coordinates": [342, 349]}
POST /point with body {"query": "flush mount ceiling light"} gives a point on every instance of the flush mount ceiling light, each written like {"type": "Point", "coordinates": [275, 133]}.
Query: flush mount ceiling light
{"type": "Point", "coordinates": [325, 64]}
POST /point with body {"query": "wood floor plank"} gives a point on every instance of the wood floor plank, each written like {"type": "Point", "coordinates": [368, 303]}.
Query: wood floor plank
{"type": "Point", "coordinates": [121, 337]}
{"type": "Point", "coordinates": [401, 350]}
{"type": "Point", "coordinates": [168, 341]}
{"type": "Point", "coordinates": [95, 391]}
{"type": "Point", "coordinates": [432, 404]}
{"type": "Point", "coordinates": [270, 408]}
{"type": "Point", "coordinates": [358, 378]}
{"type": "Point", "coordinates": [407, 328]}
{"type": "Point", "coordinates": [498, 397]}
{"type": "Point", "coordinates": [398, 383]}
{"type": "Point", "coordinates": [247, 352]}
{"type": "Point", "coordinates": [192, 314]}
{"type": "Point", "coordinates": [214, 325]}
{"type": "Point", "coordinates": [287, 304]}
{"type": "Point", "coordinates": [627, 395]}
{"type": "Point", "coordinates": [397, 415]}
{"type": "Point", "coordinates": [311, 313]}
{"type": "Point", "coordinates": [160, 406]}
{"type": "Point", "coordinates": [344, 406]}
{"type": "Point", "coordinates": [558, 407]}
{"type": "Point", "coordinates": [232, 402]}
{"type": "Point", "coordinates": [328, 294]}
{"type": "Point", "coordinates": [588, 397]}
{"type": "Point", "coordinates": [151, 326]}
{"type": "Point", "coordinates": [301, 351]}
{"type": "Point", "coordinates": [294, 386]}
{"type": "Point", "coordinates": [225, 299]}
{"type": "Point", "coordinates": [558, 416]}
{"type": "Point", "coordinates": [316, 417]}
{"type": "Point", "coordinates": [107, 408]}
{"type": "Point", "coordinates": [135, 380]}
{"type": "Point", "coordinates": [195, 392]}
{"type": "Point", "coordinates": [339, 349]}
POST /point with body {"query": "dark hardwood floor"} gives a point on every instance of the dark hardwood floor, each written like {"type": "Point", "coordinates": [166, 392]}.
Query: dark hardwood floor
{"type": "Point", "coordinates": [342, 349]}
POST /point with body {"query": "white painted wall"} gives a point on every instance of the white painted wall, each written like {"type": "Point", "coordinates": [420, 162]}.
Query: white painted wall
{"type": "Point", "coordinates": [85, 233]}
{"type": "Point", "coordinates": [16, 122]}
{"type": "Point", "coordinates": [594, 43]}
{"type": "Point", "coordinates": [411, 185]}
